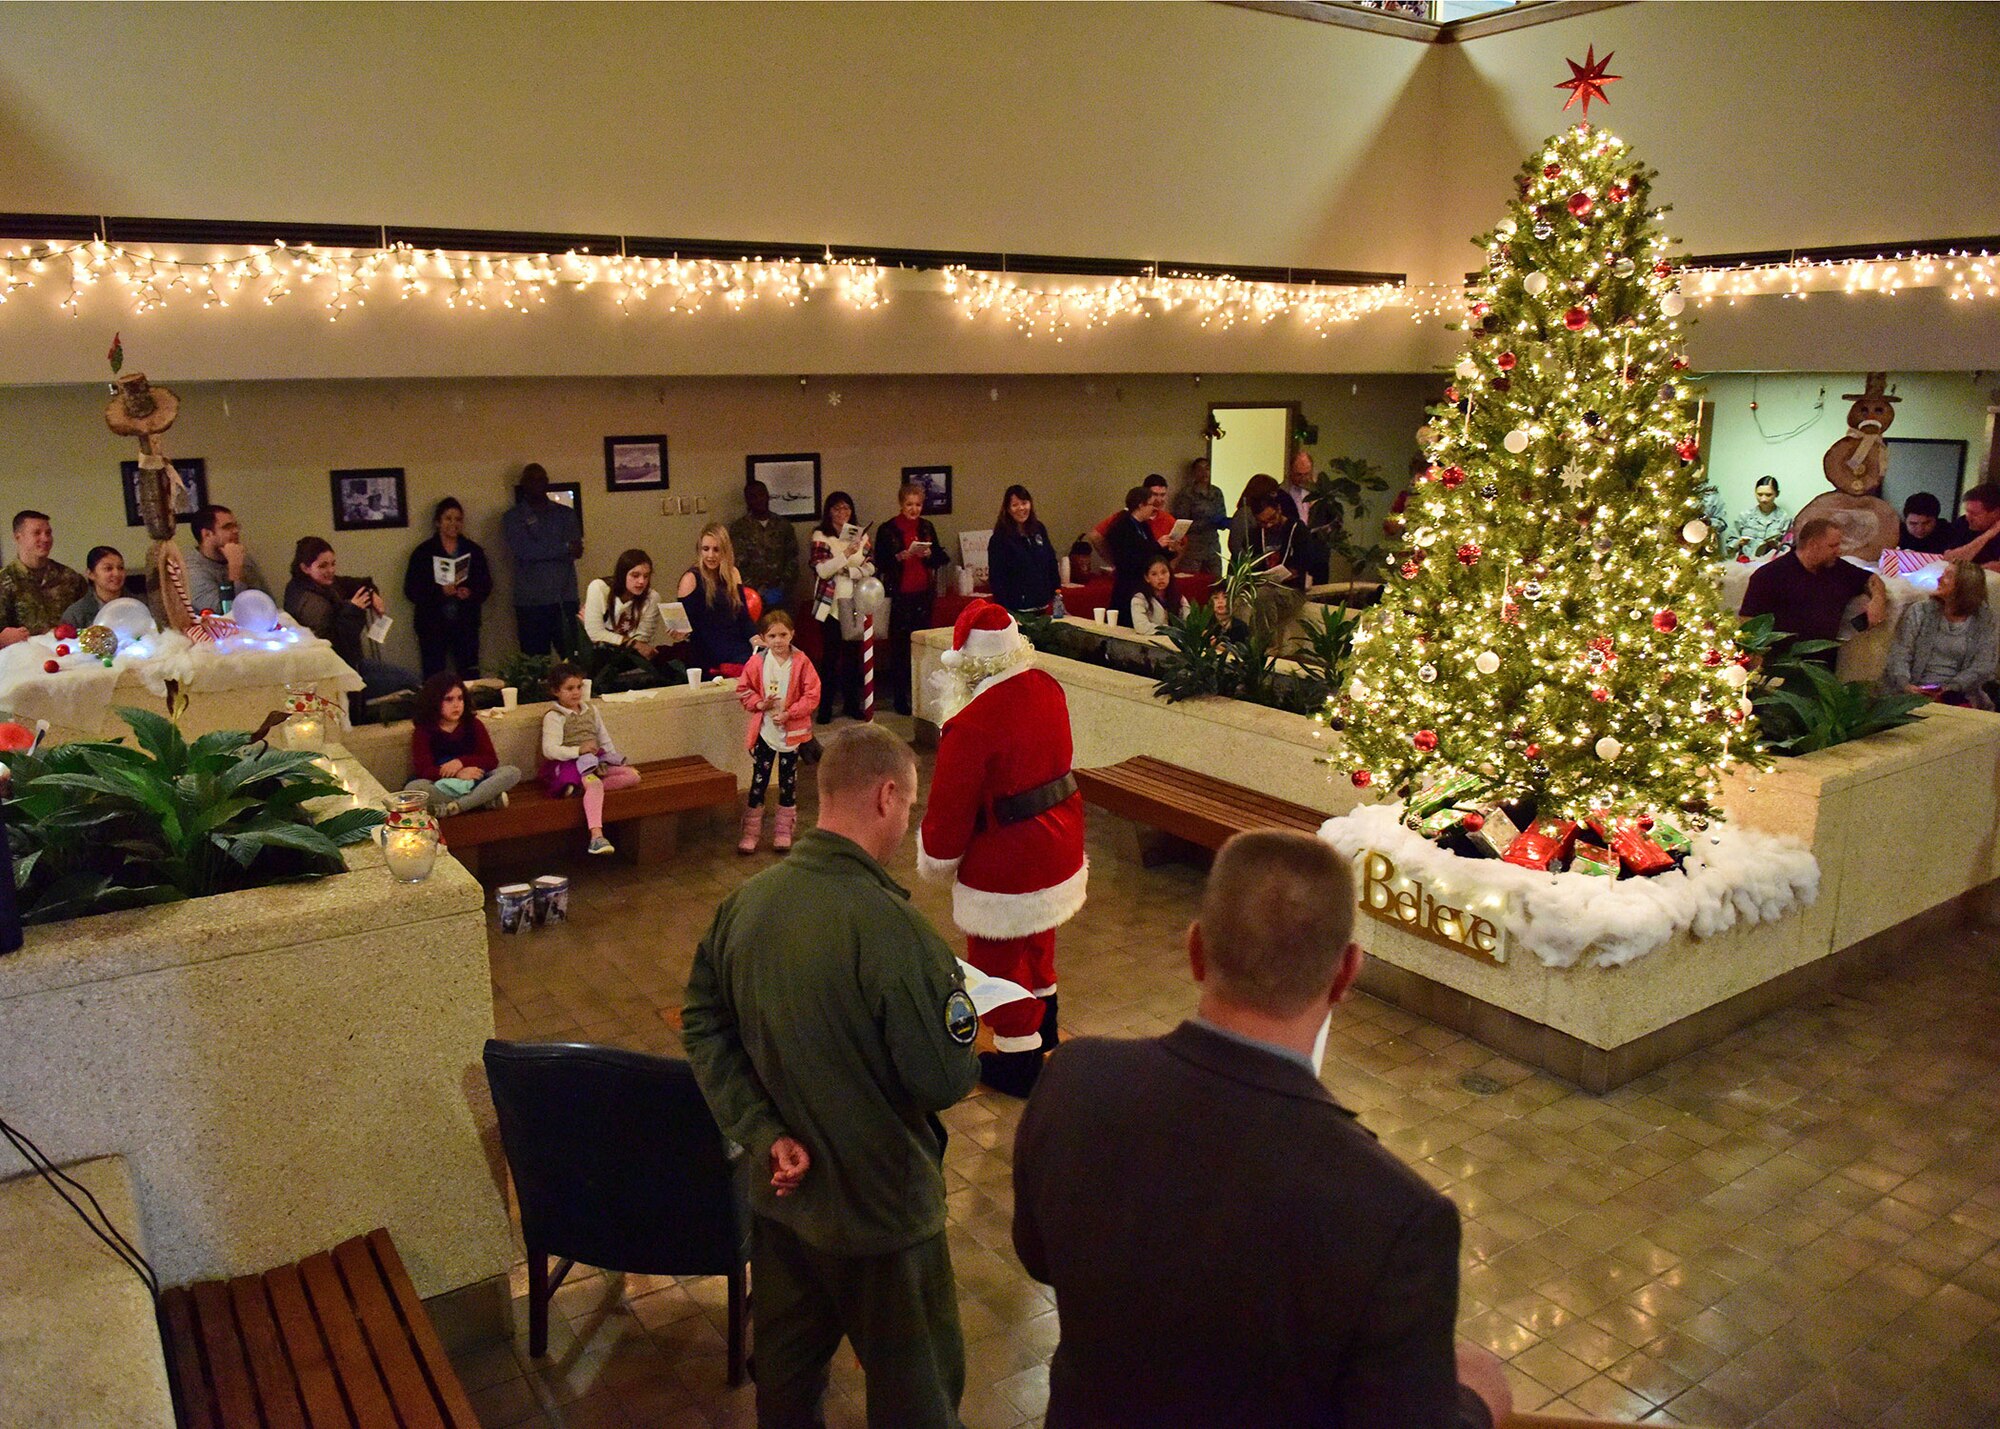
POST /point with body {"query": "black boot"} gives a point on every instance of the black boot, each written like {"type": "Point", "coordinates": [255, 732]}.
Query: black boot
{"type": "Point", "coordinates": [1049, 1023]}
{"type": "Point", "coordinates": [1011, 1074]}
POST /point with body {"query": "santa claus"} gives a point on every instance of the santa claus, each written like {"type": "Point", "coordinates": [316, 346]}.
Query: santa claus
{"type": "Point", "coordinates": [1005, 824]}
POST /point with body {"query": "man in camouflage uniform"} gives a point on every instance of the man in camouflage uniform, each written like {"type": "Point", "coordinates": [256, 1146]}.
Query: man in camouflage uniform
{"type": "Point", "coordinates": [34, 590]}
{"type": "Point", "coordinates": [767, 548]}
{"type": "Point", "coordinates": [827, 1023]}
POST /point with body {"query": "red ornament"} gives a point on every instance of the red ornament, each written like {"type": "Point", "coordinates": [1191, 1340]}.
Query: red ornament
{"type": "Point", "coordinates": [1587, 80]}
{"type": "Point", "coordinates": [1711, 658]}
{"type": "Point", "coordinates": [1468, 554]}
{"type": "Point", "coordinates": [1481, 309]}
{"type": "Point", "coordinates": [1453, 477]}
{"type": "Point", "coordinates": [1664, 621]}
{"type": "Point", "coordinates": [62, 649]}
{"type": "Point", "coordinates": [1680, 364]}
{"type": "Point", "coordinates": [1577, 319]}
{"type": "Point", "coordinates": [1473, 823]}
{"type": "Point", "coordinates": [1747, 660]}
{"type": "Point", "coordinates": [1618, 193]}
{"type": "Point", "coordinates": [1409, 570]}
{"type": "Point", "coordinates": [1579, 204]}
{"type": "Point", "coordinates": [207, 614]}
{"type": "Point", "coordinates": [1736, 715]}
{"type": "Point", "coordinates": [1425, 740]}
{"type": "Point", "coordinates": [1510, 614]}
{"type": "Point", "coordinates": [1549, 171]}
{"type": "Point", "coordinates": [1361, 778]}
{"type": "Point", "coordinates": [1533, 751]}
{"type": "Point", "coordinates": [1645, 823]}
{"type": "Point", "coordinates": [1450, 393]}
{"type": "Point", "coordinates": [1601, 695]}
{"type": "Point", "coordinates": [1688, 448]}
{"type": "Point", "coordinates": [1662, 268]}
{"type": "Point", "coordinates": [1505, 362]}
{"type": "Point", "coordinates": [49, 667]}
{"type": "Point", "coordinates": [64, 632]}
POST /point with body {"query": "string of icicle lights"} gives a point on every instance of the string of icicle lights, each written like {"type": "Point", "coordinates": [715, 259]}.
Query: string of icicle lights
{"type": "Point", "coordinates": [341, 280]}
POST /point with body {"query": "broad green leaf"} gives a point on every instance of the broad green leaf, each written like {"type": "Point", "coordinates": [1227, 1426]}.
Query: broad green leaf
{"type": "Point", "coordinates": [158, 737]}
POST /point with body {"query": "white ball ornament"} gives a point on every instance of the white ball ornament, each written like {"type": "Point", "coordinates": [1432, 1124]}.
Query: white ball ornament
{"type": "Point", "coordinates": [255, 611]}
{"type": "Point", "coordinates": [1486, 662]}
{"type": "Point", "coordinates": [1357, 691]}
{"type": "Point", "coordinates": [1673, 303]}
{"type": "Point", "coordinates": [1735, 676]}
{"type": "Point", "coordinates": [1696, 532]}
{"type": "Point", "coordinates": [128, 618]}
{"type": "Point", "coordinates": [1467, 368]}
{"type": "Point", "coordinates": [1746, 709]}
{"type": "Point", "coordinates": [1536, 284]}
{"type": "Point", "coordinates": [1427, 673]}
{"type": "Point", "coordinates": [1516, 441]}
{"type": "Point", "coordinates": [1609, 749]}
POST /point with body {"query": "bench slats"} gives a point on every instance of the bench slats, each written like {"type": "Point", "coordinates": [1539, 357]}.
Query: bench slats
{"type": "Point", "coordinates": [1195, 807]}
{"type": "Point", "coordinates": [215, 1327]}
{"type": "Point", "coordinates": [423, 1334]}
{"type": "Point", "coordinates": [360, 1384]}
{"type": "Point", "coordinates": [385, 1336]}
{"type": "Point", "coordinates": [192, 1398]}
{"type": "Point", "coordinates": [277, 1393]}
{"type": "Point", "coordinates": [305, 1349]}
{"type": "Point", "coordinates": [666, 786]}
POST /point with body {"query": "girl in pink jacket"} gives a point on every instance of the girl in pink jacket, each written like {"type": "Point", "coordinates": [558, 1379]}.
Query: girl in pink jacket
{"type": "Point", "coordinates": [780, 689]}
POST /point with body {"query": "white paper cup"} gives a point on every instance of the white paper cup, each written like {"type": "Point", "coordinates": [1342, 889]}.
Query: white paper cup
{"type": "Point", "coordinates": [694, 677]}
{"type": "Point", "coordinates": [1062, 570]}
{"type": "Point", "coordinates": [1101, 615]}
{"type": "Point", "coordinates": [510, 697]}
{"type": "Point", "coordinates": [586, 689]}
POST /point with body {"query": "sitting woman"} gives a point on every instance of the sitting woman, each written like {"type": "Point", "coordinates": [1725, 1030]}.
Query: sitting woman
{"type": "Point", "coordinates": [625, 611]}
{"type": "Point", "coordinates": [1947, 647]}
{"type": "Point", "coordinates": [1157, 603]}
{"type": "Point", "coordinates": [451, 756]}
{"type": "Point", "coordinates": [578, 756]}
{"type": "Point", "coordinates": [106, 570]}
{"type": "Point", "coordinates": [338, 612]}
{"type": "Point", "coordinates": [717, 605]}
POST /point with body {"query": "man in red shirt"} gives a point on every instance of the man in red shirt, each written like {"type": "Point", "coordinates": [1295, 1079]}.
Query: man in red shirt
{"type": "Point", "coordinates": [1157, 518]}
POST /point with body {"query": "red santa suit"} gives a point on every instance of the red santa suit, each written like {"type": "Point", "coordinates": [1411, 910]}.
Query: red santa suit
{"type": "Point", "coordinates": [1016, 875]}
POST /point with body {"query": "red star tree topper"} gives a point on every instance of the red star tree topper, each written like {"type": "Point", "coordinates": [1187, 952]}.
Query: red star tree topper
{"type": "Point", "coordinates": [1587, 80]}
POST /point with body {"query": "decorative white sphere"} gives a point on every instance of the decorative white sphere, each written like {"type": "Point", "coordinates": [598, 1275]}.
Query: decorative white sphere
{"type": "Point", "coordinates": [1516, 441]}
{"type": "Point", "coordinates": [1696, 532]}
{"type": "Point", "coordinates": [1609, 749]}
{"type": "Point", "coordinates": [1486, 662]}
{"type": "Point", "coordinates": [1746, 709]}
{"type": "Point", "coordinates": [1536, 284]}
{"type": "Point", "coordinates": [1735, 676]}
{"type": "Point", "coordinates": [1467, 367]}
{"type": "Point", "coordinates": [255, 612]}
{"type": "Point", "coordinates": [129, 618]}
{"type": "Point", "coordinates": [1357, 691]}
{"type": "Point", "coordinates": [1673, 303]}
{"type": "Point", "coordinates": [1425, 537]}
{"type": "Point", "coordinates": [870, 598]}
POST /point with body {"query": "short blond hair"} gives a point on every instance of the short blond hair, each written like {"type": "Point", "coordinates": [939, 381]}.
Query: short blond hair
{"type": "Point", "coordinates": [1968, 589]}
{"type": "Point", "coordinates": [863, 756]}
{"type": "Point", "coordinates": [1276, 919]}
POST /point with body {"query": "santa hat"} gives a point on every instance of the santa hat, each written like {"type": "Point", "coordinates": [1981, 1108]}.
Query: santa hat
{"type": "Point", "coordinates": [985, 632]}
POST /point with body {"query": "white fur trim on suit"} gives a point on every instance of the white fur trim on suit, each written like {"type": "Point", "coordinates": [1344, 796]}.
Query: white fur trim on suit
{"type": "Point", "coordinates": [937, 870]}
{"type": "Point", "coordinates": [1016, 915]}
{"type": "Point", "coordinates": [1031, 1043]}
{"type": "Point", "coordinates": [986, 684]}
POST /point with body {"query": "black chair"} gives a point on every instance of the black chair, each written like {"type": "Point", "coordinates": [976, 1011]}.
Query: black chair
{"type": "Point", "coordinates": [619, 1164]}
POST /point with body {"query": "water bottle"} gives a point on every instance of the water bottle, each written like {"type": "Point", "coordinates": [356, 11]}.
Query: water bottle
{"type": "Point", "coordinates": [225, 595]}
{"type": "Point", "coordinates": [1059, 612]}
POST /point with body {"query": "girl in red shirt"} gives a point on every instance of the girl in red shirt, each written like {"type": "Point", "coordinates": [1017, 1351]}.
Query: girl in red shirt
{"type": "Point", "coordinates": [451, 756]}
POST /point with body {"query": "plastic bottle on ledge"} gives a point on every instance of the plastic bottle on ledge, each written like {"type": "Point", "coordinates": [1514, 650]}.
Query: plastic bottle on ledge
{"type": "Point", "coordinates": [1058, 612]}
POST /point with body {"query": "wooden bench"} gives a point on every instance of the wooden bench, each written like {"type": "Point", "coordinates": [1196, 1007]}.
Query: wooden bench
{"type": "Point", "coordinates": [666, 787]}
{"type": "Point", "coordinates": [340, 1339]}
{"type": "Point", "coordinates": [1188, 808]}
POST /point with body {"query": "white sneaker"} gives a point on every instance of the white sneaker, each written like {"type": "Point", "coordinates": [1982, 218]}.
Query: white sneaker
{"type": "Point", "coordinates": [501, 802]}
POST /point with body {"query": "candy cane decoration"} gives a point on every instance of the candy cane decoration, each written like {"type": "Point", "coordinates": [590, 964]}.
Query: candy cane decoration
{"type": "Point", "coordinates": [868, 667]}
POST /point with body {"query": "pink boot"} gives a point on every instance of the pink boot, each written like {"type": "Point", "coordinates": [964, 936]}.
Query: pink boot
{"type": "Point", "coordinates": [753, 829]}
{"type": "Point", "coordinates": [787, 820]}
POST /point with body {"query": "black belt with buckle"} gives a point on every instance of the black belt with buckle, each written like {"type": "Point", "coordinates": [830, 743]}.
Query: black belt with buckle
{"type": "Point", "coordinates": [1021, 807]}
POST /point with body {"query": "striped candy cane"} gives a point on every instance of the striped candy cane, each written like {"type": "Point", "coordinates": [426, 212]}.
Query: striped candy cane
{"type": "Point", "coordinates": [868, 667]}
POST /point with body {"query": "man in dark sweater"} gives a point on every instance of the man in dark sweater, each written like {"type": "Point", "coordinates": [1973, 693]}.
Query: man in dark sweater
{"type": "Point", "coordinates": [1807, 590]}
{"type": "Point", "coordinates": [1228, 1245]}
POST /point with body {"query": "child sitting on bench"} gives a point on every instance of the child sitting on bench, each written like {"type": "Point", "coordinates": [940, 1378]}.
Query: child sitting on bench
{"type": "Point", "coordinates": [578, 755]}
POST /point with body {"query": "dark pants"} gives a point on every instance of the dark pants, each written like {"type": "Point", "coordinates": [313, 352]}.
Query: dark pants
{"type": "Point", "coordinates": [840, 669]}
{"type": "Point", "coordinates": [761, 760]}
{"type": "Point", "coordinates": [907, 615]}
{"type": "Point", "coordinates": [899, 1311]}
{"type": "Point", "coordinates": [453, 641]}
{"type": "Point", "coordinates": [540, 628]}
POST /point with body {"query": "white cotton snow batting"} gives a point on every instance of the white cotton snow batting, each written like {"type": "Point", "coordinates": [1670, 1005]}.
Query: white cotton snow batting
{"type": "Point", "coordinates": [1743, 877]}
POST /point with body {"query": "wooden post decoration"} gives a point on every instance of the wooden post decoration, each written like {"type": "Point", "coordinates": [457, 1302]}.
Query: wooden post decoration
{"type": "Point", "coordinates": [139, 409]}
{"type": "Point", "coordinates": [1855, 466]}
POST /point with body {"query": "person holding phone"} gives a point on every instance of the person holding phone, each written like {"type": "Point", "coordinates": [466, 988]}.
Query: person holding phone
{"type": "Point", "coordinates": [1947, 647]}
{"type": "Point", "coordinates": [909, 555]}
{"type": "Point", "coordinates": [340, 611]}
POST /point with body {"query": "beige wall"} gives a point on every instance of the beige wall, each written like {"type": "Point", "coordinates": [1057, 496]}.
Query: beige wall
{"type": "Point", "coordinates": [1192, 131]}
{"type": "Point", "coordinates": [1077, 442]}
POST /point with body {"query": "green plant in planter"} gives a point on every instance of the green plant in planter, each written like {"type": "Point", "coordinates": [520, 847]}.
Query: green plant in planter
{"type": "Point", "coordinates": [610, 668]}
{"type": "Point", "coordinates": [1328, 642]}
{"type": "Point", "coordinates": [1802, 706]}
{"type": "Point", "coordinates": [101, 825]}
{"type": "Point", "coordinates": [527, 673]}
{"type": "Point", "coordinates": [1339, 496]}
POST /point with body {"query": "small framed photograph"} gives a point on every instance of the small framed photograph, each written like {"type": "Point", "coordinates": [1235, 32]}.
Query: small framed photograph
{"type": "Point", "coordinates": [792, 478]}
{"type": "Point", "coordinates": [194, 488]}
{"type": "Point", "coordinates": [369, 498]}
{"type": "Point", "coordinates": [570, 494]}
{"type": "Point", "coordinates": [936, 481]}
{"type": "Point", "coordinates": [635, 463]}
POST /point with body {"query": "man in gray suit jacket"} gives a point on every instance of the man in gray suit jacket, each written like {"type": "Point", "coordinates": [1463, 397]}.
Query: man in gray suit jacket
{"type": "Point", "coordinates": [1228, 1245]}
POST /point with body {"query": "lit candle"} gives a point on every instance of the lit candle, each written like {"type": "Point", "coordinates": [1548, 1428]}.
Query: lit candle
{"type": "Point", "coordinates": [410, 853]}
{"type": "Point", "coordinates": [305, 731]}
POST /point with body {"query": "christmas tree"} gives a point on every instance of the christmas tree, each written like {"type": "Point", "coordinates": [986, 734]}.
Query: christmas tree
{"type": "Point", "coordinates": [1553, 628]}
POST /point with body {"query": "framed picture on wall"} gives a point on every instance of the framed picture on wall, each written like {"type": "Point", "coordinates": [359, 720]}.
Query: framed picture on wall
{"type": "Point", "coordinates": [792, 478]}
{"type": "Point", "coordinates": [194, 488]}
{"type": "Point", "coordinates": [570, 494]}
{"type": "Point", "coordinates": [936, 482]}
{"type": "Point", "coordinates": [635, 463]}
{"type": "Point", "coordinates": [369, 498]}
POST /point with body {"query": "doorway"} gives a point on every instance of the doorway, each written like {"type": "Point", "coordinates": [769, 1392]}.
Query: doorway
{"type": "Point", "coordinates": [1256, 437]}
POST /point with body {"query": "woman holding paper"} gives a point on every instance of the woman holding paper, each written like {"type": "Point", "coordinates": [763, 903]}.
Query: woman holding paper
{"type": "Point", "coordinates": [447, 583]}
{"type": "Point", "coordinates": [341, 612]}
{"type": "Point", "coordinates": [625, 610]}
{"type": "Point", "coordinates": [909, 554]}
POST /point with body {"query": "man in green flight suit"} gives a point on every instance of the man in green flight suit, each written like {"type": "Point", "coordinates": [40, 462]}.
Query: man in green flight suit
{"type": "Point", "coordinates": [827, 1022]}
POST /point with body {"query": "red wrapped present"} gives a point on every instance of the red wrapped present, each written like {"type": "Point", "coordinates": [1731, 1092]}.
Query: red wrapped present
{"type": "Point", "coordinates": [1638, 853]}
{"type": "Point", "coordinates": [1545, 841]}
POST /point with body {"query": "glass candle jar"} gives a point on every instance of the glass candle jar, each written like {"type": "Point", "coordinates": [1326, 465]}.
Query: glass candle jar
{"type": "Point", "coordinates": [409, 837]}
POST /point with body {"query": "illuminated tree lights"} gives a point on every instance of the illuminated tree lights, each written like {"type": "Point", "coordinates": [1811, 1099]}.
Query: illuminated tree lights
{"type": "Point", "coordinates": [1568, 637]}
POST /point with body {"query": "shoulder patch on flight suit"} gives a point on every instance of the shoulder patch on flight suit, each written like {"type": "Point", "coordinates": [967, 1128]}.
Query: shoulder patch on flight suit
{"type": "Point", "coordinates": [961, 1019]}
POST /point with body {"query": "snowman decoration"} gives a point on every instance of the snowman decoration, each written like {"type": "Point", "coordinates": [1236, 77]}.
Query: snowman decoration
{"type": "Point", "coordinates": [1856, 466]}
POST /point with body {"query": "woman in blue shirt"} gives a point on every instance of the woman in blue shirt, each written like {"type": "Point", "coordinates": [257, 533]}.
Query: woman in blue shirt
{"type": "Point", "coordinates": [1021, 560]}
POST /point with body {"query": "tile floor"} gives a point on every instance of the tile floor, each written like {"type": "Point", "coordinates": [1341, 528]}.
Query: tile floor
{"type": "Point", "coordinates": [1798, 1227]}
